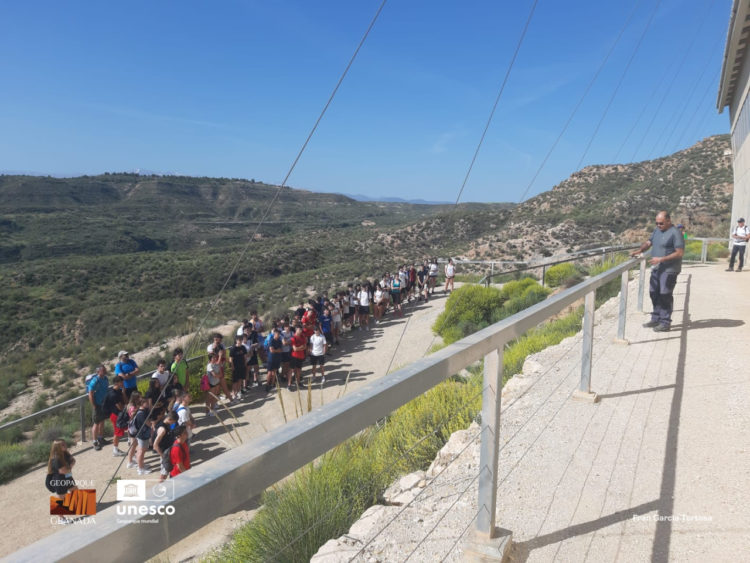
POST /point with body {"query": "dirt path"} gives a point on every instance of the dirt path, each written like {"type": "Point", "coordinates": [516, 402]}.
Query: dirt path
{"type": "Point", "coordinates": [362, 357]}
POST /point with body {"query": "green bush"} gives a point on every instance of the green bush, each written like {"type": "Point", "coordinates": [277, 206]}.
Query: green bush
{"type": "Point", "coordinates": [467, 310]}
{"type": "Point", "coordinates": [323, 499]}
{"type": "Point", "coordinates": [561, 274]}
{"type": "Point", "coordinates": [716, 251]}
{"type": "Point", "coordinates": [12, 461]}
{"type": "Point", "coordinates": [472, 307]}
{"type": "Point", "coordinates": [693, 250]}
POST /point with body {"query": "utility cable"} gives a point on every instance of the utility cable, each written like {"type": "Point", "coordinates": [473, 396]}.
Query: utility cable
{"type": "Point", "coordinates": [577, 106]}
{"type": "Point", "coordinates": [619, 83]}
{"type": "Point", "coordinates": [497, 100]}
{"type": "Point", "coordinates": [669, 87]}
{"type": "Point", "coordinates": [270, 205]}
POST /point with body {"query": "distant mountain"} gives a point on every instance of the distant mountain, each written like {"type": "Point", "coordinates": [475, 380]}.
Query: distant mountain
{"type": "Point", "coordinates": [360, 197]}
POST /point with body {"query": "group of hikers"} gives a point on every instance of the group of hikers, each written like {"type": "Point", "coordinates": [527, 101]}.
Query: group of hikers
{"type": "Point", "coordinates": [160, 419]}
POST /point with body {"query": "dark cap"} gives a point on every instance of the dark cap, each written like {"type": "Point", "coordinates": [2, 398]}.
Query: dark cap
{"type": "Point", "coordinates": [740, 220]}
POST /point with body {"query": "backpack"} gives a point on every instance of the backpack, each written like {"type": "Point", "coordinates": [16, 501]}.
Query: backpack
{"type": "Point", "coordinates": [123, 419]}
{"type": "Point", "coordinates": [132, 430]}
{"type": "Point", "coordinates": [166, 457]}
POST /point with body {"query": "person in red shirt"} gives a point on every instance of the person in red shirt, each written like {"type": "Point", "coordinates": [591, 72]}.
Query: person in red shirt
{"type": "Point", "coordinates": [299, 346]}
{"type": "Point", "coordinates": [180, 454]}
{"type": "Point", "coordinates": [309, 318]}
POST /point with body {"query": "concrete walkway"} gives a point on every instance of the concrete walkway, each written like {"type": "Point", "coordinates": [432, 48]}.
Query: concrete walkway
{"type": "Point", "coordinates": [657, 471]}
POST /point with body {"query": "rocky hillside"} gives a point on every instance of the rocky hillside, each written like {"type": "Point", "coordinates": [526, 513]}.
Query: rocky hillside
{"type": "Point", "coordinates": [601, 204]}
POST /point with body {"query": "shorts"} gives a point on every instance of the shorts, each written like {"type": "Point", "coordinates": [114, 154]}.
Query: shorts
{"type": "Point", "coordinates": [253, 361]}
{"type": "Point", "coordinates": [98, 415]}
{"type": "Point", "coordinates": [297, 363]}
{"type": "Point", "coordinates": [364, 309]}
{"type": "Point", "coordinates": [318, 360]}
{"type": "Point", "coordinates": [274, 362]}
{"type": "Point", "coordinates": [143, 444]}
{"type": "Point", "coordinates": [162, 470]}
{"type": "Point", "coordinates": [286, 357]}
{"type": "Point", "coordinates": [336, 325]}
{"type": "Point", "coordinates": [396, 298]}
{"type": "Point", "coordinates": [238, 374]}
{"type": "Point", "coordinates": [119, 432]}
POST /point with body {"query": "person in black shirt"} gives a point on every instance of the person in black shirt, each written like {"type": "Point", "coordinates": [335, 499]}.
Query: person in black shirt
{"type": "Point", "coordinates": [113, 404]}
{"type": "Point", "coordinates": [237, 354]}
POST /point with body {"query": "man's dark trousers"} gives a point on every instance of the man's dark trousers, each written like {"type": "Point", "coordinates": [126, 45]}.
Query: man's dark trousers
{"type": "Point", "coordinates": [737, 249]}
{"type": "Point", "coordinates": [660, 289]}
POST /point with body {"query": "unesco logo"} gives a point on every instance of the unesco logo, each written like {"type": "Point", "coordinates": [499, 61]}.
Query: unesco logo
{"type": "Point", "coordinates": [144, 490]}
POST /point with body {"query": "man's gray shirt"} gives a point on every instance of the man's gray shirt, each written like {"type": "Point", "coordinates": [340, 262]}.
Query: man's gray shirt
{"type": "Point", "coordinates": [664, 243]}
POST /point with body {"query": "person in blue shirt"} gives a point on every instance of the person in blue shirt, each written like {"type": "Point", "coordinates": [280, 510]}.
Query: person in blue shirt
{"type": "Point", "coordinates": [97, 388]}
{"type": "Point", "coordinates": [128, 370]}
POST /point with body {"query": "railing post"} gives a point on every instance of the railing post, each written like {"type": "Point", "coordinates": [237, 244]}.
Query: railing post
{"type": "Point", "coordinates": [544, 273]}
{"type": "Point", "coordinates": [641, 285]}
{"type": "Point", "coordinates": [584, 389]}
{"type": "Point", "coordinates": [704, 251]}
{"type": "Point", "coordinates": [82, 411]}
{"type": "Point", "coordinates": [489, 543]}
{"type": "Point", "coordinates": [623, 307]}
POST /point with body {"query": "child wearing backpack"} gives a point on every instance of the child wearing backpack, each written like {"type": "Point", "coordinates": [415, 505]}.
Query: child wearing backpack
{"type": "Point", "coordinates": [180, 454]}
{"type": "Point", "coordinates": [165, 437]}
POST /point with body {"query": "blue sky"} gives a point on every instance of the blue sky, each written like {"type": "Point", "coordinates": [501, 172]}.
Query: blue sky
{"type": "Point", "coordinates": [232, 88]}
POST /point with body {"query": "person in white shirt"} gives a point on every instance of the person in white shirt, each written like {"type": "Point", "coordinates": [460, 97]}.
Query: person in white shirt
{"type": "Point", "coordinates": [740, 236]}
{"type": "Point", "coordinates": [318, 347]}
{"type": "Point", "coordinates": [450, 272]}
{"type": "Point", "coordinates": [364, 307]}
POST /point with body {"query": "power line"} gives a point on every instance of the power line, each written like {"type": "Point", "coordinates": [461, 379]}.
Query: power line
{"type": "Point", "coordinates": [215, 301]}
{"type": "Point", "coordinates": [497, 100]}
{"type": "Point", "coordinates": [577, 106]}
{"type": "Point", "coordinates": [619, 83]}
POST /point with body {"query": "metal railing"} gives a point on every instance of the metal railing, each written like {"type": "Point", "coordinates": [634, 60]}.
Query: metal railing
{"type": "Point", "coordinates": [218, 486]}
{"type": "Point", "coordinates": [602, 251]}
{"type": "Point", "coordinates": [82, 401]}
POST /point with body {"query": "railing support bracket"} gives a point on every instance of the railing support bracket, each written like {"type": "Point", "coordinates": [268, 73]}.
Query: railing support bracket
{"type": "Point", "coordinates": [481, 549]}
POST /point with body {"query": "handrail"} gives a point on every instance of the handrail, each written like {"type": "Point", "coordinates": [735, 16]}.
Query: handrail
{"type": "Point", "coordinates": [81, 400]}
{"type": "Point", "coordinates": [587, 253]}
{"type": "Point", "coordinates": [218, 486]}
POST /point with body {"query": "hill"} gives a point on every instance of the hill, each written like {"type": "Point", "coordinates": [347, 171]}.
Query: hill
{"type": "Point", "coordinates": [92, 265]}
{"type": "Point", "coordinates": [598, 205]}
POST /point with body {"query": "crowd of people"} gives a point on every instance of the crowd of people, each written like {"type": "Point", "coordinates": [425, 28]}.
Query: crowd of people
{"type": "Point", "coordinates": [160, 420]}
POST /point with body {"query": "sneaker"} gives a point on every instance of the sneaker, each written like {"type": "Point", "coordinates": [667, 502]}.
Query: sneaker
{"type": "Point", "coordinates": [117, 453]}
{"type": "Point", "coordinates": [256, 384]}
{"type": "Point", "coordinates": [144, 471]}
{"type": "Point", "coordinates": [739, 269]}
{"type": "Point", "coordinates": [103, 441]}
{"type": "Point", "coordinates": [661, 328]}
{"type": "Point", "coordinates": [132, 465]}
{"type": "Point", "coordinates": [97, 445]}
{"type": "Point", "coordinates": [730, 270]}
{"type": "Point", "coordinates": [650, 324]}
{"type": "Point", "coordinates": [322, 380]}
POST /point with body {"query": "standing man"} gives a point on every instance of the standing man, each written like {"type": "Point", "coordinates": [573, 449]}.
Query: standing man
{"type": "Point", "coordinates": [740, 236]}
{"type": "Point", "coordinates": [127, 369]}
{"type": "Point", "coordinates": [666, 262]}
{"type": "Point", "coordinates": [97, 388]}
